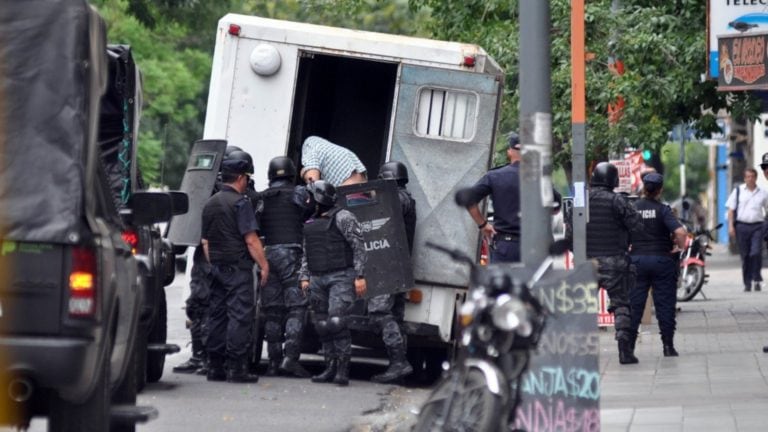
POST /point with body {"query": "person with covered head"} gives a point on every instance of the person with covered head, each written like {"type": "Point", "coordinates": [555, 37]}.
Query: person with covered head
{"type": "Point", "coordinates": [286, 207]}
{"type": "Point", "coordinates": [611, 218]}
{"type": "Point", "coordinates": [231, 244]}
{"type": "Point", "coordinates": [337, 165]}
{"type": "Point", "coordinates": [656, 265]}
{"type": "Point", "coordinates": [333, 271]}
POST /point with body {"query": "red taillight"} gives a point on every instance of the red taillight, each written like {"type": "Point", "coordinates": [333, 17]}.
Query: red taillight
{"type": "Point", "coordinates": [234, 30]}
{"type": "Point", "coordinates": [132, 239]}
{"type": "Point", "coordinates": [82, 283]}
{"type": "Point", "coordinates": [469, 60]}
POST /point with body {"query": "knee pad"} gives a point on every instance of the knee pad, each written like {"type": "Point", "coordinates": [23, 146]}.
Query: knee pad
{"type": "Point", "coordinates": [321, 327]}
{"type": "Point", "coordinates": [336, 324]}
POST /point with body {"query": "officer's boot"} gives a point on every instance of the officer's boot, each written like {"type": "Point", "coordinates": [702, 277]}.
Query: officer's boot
{"type": "Point", "coordinates": [669, 346]}
{"type": "Point", "coordinates": [329, 372]}
{"type": "Point", "coordinates": [291, 366]}
{"type": "Point", "coordinates": [195, 362]}
{"type": "Point", "coordinates": [626, 354]}
{"type": "Point", "coordinates": [275, 353]}
{"type": "Point", "coordinates": [398, 366]}
{"type": "Point", "coordinates": [216, 370]}
{"type": "Point", "coordinates": [237, 372]}
{"type": "Point", "coordinates": [342, 371]}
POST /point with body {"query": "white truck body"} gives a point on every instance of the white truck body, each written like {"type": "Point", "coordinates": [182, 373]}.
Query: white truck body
{"type": "Point", "coordinates": [429, 104]}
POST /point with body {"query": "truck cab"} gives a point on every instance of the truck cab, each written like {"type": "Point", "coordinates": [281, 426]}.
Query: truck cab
{"type": "Point", "coordinates": [431, 105]}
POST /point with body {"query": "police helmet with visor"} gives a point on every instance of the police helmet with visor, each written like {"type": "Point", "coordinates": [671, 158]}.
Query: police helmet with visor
{"type": "Point", "coordinates": [281, 167]}
{"type": "Point", "coordinates": [394, 171]}
{"type": "Point", "coordinates": [324, 193]}
{"type": "Point", "coordinates": [605, 174]}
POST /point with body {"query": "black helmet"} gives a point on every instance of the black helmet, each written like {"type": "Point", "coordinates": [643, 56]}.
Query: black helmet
{"type": "Point", "coordinates": [605, 174]}
{"type": "Point", "coordinates": [230, 148]}
{"type": "Point", "coordinates": [395, 171]}
{"type": "Point", "coordinates": [237, 162]}
{"type": "Point", "coordinates": [324, 193]}
{"type": "Point", "coordinates": [281, 166]}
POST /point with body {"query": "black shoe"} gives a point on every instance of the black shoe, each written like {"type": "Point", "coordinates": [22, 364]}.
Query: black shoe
{"type": "Point", "coordinates": [216, 374]}
{"type": "Point", "coordinates": [188, 367]}
{"type": "Point", "coordinates": [342, 372]}
{"type": "Point", "coordinates": [670, 351]}
{"type": "Point", "coordinates": [293, 367]}
{"type": "Point", "coordinates": [238, 373]}
{"type": "Point", "coordinates": [394, 372]}
{"type": "Point", "coordinates": [757, 286]}
{"type": "Point", "coordinates": [626, 356]}
{"type": "Point", "coordinates": [273, 368]}
{"type": "Point", "coordinates": [327, 375]}
{"type": "Point", "coordinates": [747, 288]}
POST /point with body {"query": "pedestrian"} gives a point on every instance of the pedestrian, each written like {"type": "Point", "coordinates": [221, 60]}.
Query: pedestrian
{"type": "Point", "coordinates": [232, 245]}
{"type": "Point", "coordinates": [197, 302]}
{"type": "Point", "coordinates": [656, 265]}
{"type": "Point", "coordinates": [746, 214]}
{"type": "Point", "coordinates": [333, 271]}
{"type": "Point", "coordinates": [503, 185]}
{"type": "Point", "coordinates": [611, 218]}
{"type": "Point", "coordinates": [337, 165]}
{"type": "Point", "coordinates": [286, 207]}
{"type": "Point", "coordinates": [387, 311]}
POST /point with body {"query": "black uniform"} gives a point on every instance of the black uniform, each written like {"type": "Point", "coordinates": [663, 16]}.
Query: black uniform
{"type": "Point", "coordinates": [503, 184]}
{"type": "Point", "coordinates": [227, 217]}
{"type": "Point", "coordinates": [334, 255]}
{"type": "Point", "coordinates": [284, 304]}
{"type": "Point", "coordinates": [656, 266]}
{"type": "Point", "coordinates": [611, 218]}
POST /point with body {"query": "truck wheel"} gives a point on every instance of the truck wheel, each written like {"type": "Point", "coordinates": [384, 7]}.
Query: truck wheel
{"type": "Point", "coordinates": [158, 333]}
{"type": "Point", "coordinates": [90, 416]}
{"type": "Point", "coordinates": [427, 364]}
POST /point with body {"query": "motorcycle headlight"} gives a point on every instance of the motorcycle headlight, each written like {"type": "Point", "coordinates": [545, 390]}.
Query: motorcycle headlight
{"type": "Point", "coordinates": [509, 314]}
{"type": "Point", "coordinates": [467, 313]}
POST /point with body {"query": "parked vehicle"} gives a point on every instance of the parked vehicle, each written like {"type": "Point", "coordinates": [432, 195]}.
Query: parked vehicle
{"type": "Point", "coordinates": [431, 105]}
{"type": "Point", "coordinates": [71, 292]}
{"type": "Point", "coordinates": [693, 273]}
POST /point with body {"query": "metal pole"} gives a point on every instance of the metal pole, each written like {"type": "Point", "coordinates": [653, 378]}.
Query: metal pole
{"type": "Point", "coordinates": [579, 133]}
{"type": "Point", "coordinates": [683, 190]}
{"type": "Point", "coordinates": [535, 131]}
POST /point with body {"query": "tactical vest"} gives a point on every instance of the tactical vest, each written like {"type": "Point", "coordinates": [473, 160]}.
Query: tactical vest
{"type": "Point", "coordinates": [655, 239]}
{"type": "Point", "coordinates": [281, 219]}
{"type": "Point", "coordinates": [325, 246]}
{"type": "Point", "coordinates": [225, 243]}
{"type": "Point", "coordinates": [409, 215]}
{"type": "Point", "coordinates": [606, 234]}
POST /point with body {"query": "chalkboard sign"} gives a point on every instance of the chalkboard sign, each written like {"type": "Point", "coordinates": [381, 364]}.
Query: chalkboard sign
{"type": "Point", "coordinates": [561, 389]}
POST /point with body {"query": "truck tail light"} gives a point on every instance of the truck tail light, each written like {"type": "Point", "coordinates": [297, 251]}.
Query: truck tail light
{"type": "Point", "coordinates": [234, 30]}
{"type": "Point", "coordinates": [132, 238]}
{"type": "Point", "coordinates": [415, 296]}
{"type": "Point", "coordinates": [82, 282]}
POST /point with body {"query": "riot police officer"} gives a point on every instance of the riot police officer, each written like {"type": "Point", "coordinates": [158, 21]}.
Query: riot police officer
{"type": "Point", "coordinates": [286, 207]}
{"type": "Point", "coordinates": [386, 311]}
{"type": "Point", "coordinates": [333, 270]}
{"type": "Point", "coordinates": [232, 245]}
{"type": "Point", "coordinates": [611, 218]}
{"type": "Point", "coordinates": [652, 255]}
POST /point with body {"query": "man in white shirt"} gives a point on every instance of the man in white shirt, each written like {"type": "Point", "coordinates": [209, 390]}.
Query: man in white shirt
{"type": "Point", "coordinates": [746, 213]}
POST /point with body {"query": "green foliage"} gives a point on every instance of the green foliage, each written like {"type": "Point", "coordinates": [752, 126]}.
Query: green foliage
{"type": "Point", "coordinates": [696, 169]}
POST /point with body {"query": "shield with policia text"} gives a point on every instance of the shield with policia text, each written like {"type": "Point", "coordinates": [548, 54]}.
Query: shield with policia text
{"type": "Point", "coordinates": [198, 182]}
{"type": "Point", "coordinates": [377, 207]}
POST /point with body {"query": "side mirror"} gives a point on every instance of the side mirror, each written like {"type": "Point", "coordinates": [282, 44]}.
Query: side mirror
{"type": "Point", "coordinates": [180, 202]}
{"type": "Point", "coordinates": [147, 208]}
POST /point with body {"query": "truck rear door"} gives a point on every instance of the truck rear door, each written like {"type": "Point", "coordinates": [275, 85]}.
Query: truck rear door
{"type": "Point", "coordinates": [444, 133]}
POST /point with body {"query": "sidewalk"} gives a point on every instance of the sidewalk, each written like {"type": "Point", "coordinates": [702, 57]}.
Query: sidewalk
{"type": "Point", "coordinates": [719, 382]}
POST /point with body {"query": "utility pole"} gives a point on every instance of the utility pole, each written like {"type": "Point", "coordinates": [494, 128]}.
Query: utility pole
{"type": "Point", "coordinates": [578, 133]}
{"type": "Point", "coordinates": [535, 131]}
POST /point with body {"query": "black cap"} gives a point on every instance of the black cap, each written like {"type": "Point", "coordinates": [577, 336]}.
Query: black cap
{"type": "Point", "coordinates": [764, 165]}
{"type": "Point", "coordinates": [513, 141]}
{"type": "Point", "coordinates": [653, 178]}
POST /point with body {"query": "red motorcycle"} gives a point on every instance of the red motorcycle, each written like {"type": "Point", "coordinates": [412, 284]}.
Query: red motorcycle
{"type": "Point", "coordinates": [692, 263]}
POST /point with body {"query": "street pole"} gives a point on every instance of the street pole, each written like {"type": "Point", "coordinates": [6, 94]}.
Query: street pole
{"type": "Point", "coordinates": [683, 190]}
{"type": "Point", "coordinates": [535, 131]}
{"type": "Point", "coordinates": [579, 133]}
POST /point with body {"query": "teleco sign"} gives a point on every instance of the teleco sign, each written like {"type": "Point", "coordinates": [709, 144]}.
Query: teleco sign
{"type": "Point", "coordinates": [742, 62]}
{"type": "Point", "coordinates": [724, 12]}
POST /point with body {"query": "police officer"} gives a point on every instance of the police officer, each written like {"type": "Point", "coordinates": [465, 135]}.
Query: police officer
{"type": "Point", "coordinates": [197, 302]}
{"type": "Point", "coordinates": [503, 184]}
{"type": "Point", "coordinates": [652, 255]}
{"type": "Point", "coordinates": [386, 311]}
{"type": "Point", "coordinates": [333, 270]}
{"type": "Point", "coordinates": [286, 207]}
{"type": "Point", "coordinates": [611, 218]}
{"type": "Point", "coordinates": [231, 245]}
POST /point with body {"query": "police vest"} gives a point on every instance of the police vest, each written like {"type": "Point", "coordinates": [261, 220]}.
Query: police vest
{"type": "Point", "coordinates": [225, 243]}
{"type": "Point", "coordinates": [409, 215]}
{"type": "Point", "coordinates": [606, 234]}
{"type": "Point", "coordinates": [281, 219]}
{"type": "Point", "coordinates": [325, 247]}
{"type": "Point", "coordinates": [655, 239]}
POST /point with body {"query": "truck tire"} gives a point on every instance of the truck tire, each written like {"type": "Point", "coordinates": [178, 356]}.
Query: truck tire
{"type": "Point", "coordinates": [427, 364]}
{"type": "Point", "coordinates": [158, 334]}
{"type": "Point", "coordinates": [90, 416]}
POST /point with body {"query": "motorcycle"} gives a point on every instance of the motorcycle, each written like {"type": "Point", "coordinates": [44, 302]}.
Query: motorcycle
{"type": "Point", "coordinates": [500, 325]}
{"type": "Point", "coordinates": [692, 275]}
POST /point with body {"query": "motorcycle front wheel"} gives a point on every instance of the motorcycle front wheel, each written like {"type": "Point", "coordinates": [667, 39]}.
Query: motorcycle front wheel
{"type": "Point", "coordinates": [474, 408]}
{"type": "Point", "coordinates": [690, 285]}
